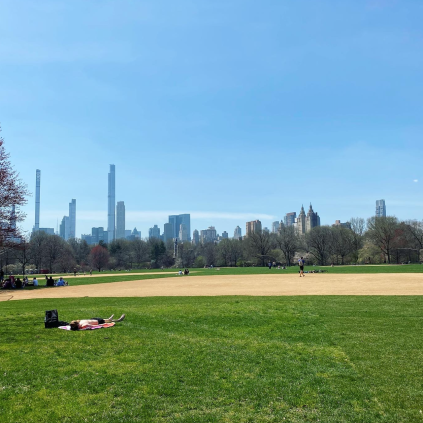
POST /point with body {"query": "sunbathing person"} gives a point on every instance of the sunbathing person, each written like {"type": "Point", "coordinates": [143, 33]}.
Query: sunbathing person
{"type": "Point", "coordinates": [82, 324]}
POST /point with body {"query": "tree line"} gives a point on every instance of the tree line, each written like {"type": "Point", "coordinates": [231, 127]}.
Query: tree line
{"type": "Point", "coordinates": [377, 240]}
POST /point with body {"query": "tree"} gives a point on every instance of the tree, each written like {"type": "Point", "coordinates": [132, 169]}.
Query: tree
{"type": "Point", "coordinates": [342, 242]}
{"type": "Point", "coordinates": [319, 243]}
{"type": "Point", "coordinates": [259, 245]}
{"type": "Point", "coordinates": [382, 232]}
{"type": "Point", "coordinates": [53, 248]}
{"type": "Point", "coordinates": [140, 251]}
{"type": "Point", "coordinates": [288, 242]}
{"type": "Point", "coordinates": [80, 250]}
{"type": "Point", "coordinates": [99, 257]}
{"type": "Point", "coordinates": [358, 227]}
{"type": "Point", "coordinates": [13, 194]}
{"type": "Point", "coordinates": [22, 253]}
{"type": "Point", "coordinates": [415, 231]}
{"type": "Point", "coordinates": [37, 248]}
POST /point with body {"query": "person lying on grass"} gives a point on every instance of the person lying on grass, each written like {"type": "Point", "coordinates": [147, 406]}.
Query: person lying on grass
{"type": "Point", "coordinates": [87, 323]}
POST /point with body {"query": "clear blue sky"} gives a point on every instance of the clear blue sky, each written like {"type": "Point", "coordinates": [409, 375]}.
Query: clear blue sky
{"type": "Point", "coordinates": [230, 110]}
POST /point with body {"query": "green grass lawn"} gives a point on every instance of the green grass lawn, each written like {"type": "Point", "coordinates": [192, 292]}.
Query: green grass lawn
{"type": "Point", "coordinates": [219, 359]}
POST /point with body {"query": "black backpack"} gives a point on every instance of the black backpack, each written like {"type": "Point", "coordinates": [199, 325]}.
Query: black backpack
{"type": "Point", "coordinates": [51, 320]}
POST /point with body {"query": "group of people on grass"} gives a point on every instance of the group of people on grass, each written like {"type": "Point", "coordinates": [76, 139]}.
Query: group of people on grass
{"type": "Point", "coordinates": [185, 272]}
{"type": "Point", "coordinates": [16, 283]}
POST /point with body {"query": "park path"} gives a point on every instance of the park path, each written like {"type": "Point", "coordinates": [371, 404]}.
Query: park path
{"type": "Point", "coordinates": [256, 285]}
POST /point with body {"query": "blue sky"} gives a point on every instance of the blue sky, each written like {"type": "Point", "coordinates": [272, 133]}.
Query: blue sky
{"type": "Point", "coordinates": [229, 110]}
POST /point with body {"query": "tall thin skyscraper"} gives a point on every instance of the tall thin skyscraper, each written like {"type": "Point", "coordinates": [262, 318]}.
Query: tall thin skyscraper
{"type": "Point", "coordinates": [111, 205]}
{"type": "Point", "coordinates": [380, 208]}
{"type": "Point", "coordinates": [37, 200]}
{"type": "Point", "coordinates": [120, 220]}
{"type": "Point", "coordinates": [72, 219]}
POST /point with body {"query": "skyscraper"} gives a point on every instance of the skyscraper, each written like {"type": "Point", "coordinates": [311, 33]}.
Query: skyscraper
{"type": "Point", "coordinates": [72, 219]}
{"type": "Point", "coordinates": [312, 219]}
{"type": "Point", "coordinates": [237, 233]}
{"type": "Point", "coordinates": [380, 208]}
{"type": "Point", "coordinates": [275, 226]}
{"type": "Point", "coordinates": [37, 200]}
{"type": "Point", "coordinates": [253, 226]}
{"type": "Point", "coordinates": [176, 221]}
{"type": "Point", "coordinates": [65, 228]}
{"type": "Point", "coordinates": [301, 221]}
{"type": "Point", "coordinates": [289, 219]}
{"type": "Point", "coordinates": [154, 232]}
{"type": "Point", "coordinates": [120, 220]}
{"type": "Point", "coordinates": [183, 233]}
{"type": "Point", "coordinates": [111, 205]}
{"type": "Point", "coordinates": [167, 231]}
{"type": "Point", "coordinates": [195, 237]}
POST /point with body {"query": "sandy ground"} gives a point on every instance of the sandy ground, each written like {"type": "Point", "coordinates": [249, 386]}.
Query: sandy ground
{"type": "Point", "coordinates": [311, 284]}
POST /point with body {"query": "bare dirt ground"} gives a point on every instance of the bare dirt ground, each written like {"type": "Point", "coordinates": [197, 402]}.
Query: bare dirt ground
{"type": "Point", "coordinates": [266, 285]}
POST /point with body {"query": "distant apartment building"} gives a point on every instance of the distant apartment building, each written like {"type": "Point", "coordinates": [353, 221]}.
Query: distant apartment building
{"type": "Point", "coordinates": [225, 235]}
{"type": "Point", "coordinates": [312, 219]}
{"type": "Point", "coordinates": [346, 225]}
{"type": "Point", "coordinates": [154, 232]}
{"type": "Point", "coordinates": [48, 231]}
{"type": "Point", "coordinates": [64, 229]}
{"type": "Point", "coordinates": [183, 233]}
{"type": "Point", "coordinates": [289, 219]}
{"type": "Point", "coordinates": [253, 226]}
{"type": "Point", "coordinates": [167, 231]}
{"type": "Point", "coordinates": [176, 221]}
{"type": "Point", "coordinates": [276, 226]}
{"type": "Point", "coordinates": [380, 208]}
{"type": "Point", "coordinates": [195, 237]}
{"type": "Point", "coordinates": [132, 236]}
{"type": "Point", "coordinates": [72, 219]}
{"type": "Point", "coordinates": [237, 233]}
{"type": "Point", "coordinates": [97, 235]}
{"type": "Point", "coordinates": [208, 235]}
{"type": "Point", "coordinates": [120, 220]}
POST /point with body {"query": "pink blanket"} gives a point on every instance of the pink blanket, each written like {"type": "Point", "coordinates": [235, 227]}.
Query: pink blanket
{"type": "Point", "coordinates": [104, 325]}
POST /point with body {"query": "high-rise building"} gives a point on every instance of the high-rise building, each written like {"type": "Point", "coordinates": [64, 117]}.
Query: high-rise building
{"type": "Point", "coordinates": [64, 231]}
{"type": "Point", "coordinates": [183, 233]}
{"type": "Point", "coordinates": [380, 208]}
{"type": "Point", "coordinates": [301, 222]}
{"type": "Point", "coordinates": [98, 234]}
{"type": "Point", "coordinates": [275, 226]}
{"type": "Point", "coordinates": [111, 197]}
{"type": "Point", "coordinates": [176, 221]}
{"type": "Point", "coordinates": [154, 232]}
{"type": "Point", "coordinates": [289, 219]}
{"type": "Point", "coordinates": [208, 235]}
{"type": "Point", "coordinates": [37, 200]}
{"type": "Point", "coordinates": [225, 235]}
{"type": "Point", "coordinates": [120, 220]}
{"type": "Point", "coordinates": [346, 225]}
{"type": "Point", "coordinates": [237, 233]}
{"type": "Point", "coordinates": [195, 237]}
{"type": "Point", "coordinates": [253, 226]}
{"type": "Point", "coordinates": [72, 219]}
{"type": "Point", "coordinates": [167, 231]}
{"type": "Point", "coordinates": [312, 219]}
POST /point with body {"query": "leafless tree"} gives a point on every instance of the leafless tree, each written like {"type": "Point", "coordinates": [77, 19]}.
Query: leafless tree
{"type": "Point", "coordinates": [288, 242]}
{"type": "Point", "coordinates": [382, 232]}
{"type": "Point", "coordinates": [358, 228]}
{"type": "Point", "coordinates": [414, 229]}
{"type": "Point", "coordinates": [13, 193]}
{"type": "Point", "coordinates": [259, 244]}
{"type": "Point", "coordinates": [342, 242]}
{"type": "Point", "coordinates": [319, 242]}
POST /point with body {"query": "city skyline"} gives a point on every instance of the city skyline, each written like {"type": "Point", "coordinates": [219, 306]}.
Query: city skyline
{"type": "Point", "coordinates": [268, 107]}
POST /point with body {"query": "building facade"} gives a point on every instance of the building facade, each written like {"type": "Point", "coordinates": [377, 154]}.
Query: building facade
{"type": "Point", "coordinates": [176, 221]}
{"type": "Point", "coordinates": [312, 219]}
{"type": "Point", "coordinates": [237, 233]}
{"type": "Point", "coordinates": [208, 235]}
{"type": "Point", "coordinates": [154, 232]}
{"type": "Point", "coordinates": [289, 219]}
{"type": "Point", "coordinates": [72, 219]}
{"type": "Point", "coordinates": [120, 220]}
{"type": "Point", "coordinates": [195, 237]}
{"type": "Point", "coordinates": [380, 208]}
{"type": "Point", "coordinates": [253, 226]}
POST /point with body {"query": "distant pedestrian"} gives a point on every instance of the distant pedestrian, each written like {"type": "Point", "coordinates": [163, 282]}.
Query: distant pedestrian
{"type": "Point", "coordinates": [35, 282]}
{"type": "Point", "coordinates": [91, 272]}
{"type": "Point", "coordinates": [74, 272]}
{"type": "Point", "coordinates": [301, 264]}
{"type": "Point", "coordinates": [269, 264]}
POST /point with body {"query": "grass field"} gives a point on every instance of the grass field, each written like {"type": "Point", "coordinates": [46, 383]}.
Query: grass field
{"type": "Point", "coordinates": [219, 359]}
{"type": "Point", "coordinates": [155, 273]}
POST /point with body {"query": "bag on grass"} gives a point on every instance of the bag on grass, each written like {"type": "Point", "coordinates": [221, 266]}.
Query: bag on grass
{"type": "Point", "coordinates": [51, 320]}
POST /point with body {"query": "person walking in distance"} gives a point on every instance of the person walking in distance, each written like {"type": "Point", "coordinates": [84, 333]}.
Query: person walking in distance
{"type": "Point", "coordinates": [301, 264]}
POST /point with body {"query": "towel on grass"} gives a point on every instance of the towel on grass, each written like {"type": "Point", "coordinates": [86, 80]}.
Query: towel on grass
{"type": "Point", "coordinates": [104, 325]}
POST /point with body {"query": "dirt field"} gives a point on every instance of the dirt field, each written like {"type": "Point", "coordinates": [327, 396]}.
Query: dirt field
{"type": "Point", "coordinates": [311, 284]}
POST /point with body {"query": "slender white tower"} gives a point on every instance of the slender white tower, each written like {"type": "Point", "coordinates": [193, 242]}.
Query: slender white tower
{"type": "Point", "coordinates": [37, 200]}
{"type": "Point", "coordinates": [111, 205]}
